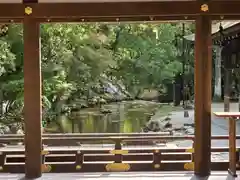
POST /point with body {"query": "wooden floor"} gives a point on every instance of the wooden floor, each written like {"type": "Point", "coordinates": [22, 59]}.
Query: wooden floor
{"type": "Point", "coordinates": [122, 176]}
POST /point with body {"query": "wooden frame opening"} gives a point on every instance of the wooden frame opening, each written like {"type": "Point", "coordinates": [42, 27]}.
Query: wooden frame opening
{"type": "Point", "coordinates": [31, 13]}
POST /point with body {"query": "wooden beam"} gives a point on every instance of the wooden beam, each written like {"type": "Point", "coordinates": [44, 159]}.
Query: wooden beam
{"type": "Point", "coordinates": [32, 99]}
{"type": "Point", "coordinates": [118, 9]}
{"type": "Point", "coordinates": [127, 19]}
{"type": "Point", "coordinates": [101, 1]}
{"type": "Point", "coordinates": [220, 7]}
{"type": "Point", "coordinates": [203, 95]}
{"type": "Point", "coordinates": [108, 9]}
{"type": "Point", "coordinates": [162, 9]}
{"type": "Point", "coordinates": [136, 19]}
{"type": "Point", "coordinates": [11, 11]}
{"type": "Point", "coordinates": [30, 1]}
{"type": "Point", "coordinates": [139, 8]}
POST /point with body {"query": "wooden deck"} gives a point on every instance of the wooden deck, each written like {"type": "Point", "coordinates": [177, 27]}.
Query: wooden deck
{"type": "Point", "coordinates": [121, 176]}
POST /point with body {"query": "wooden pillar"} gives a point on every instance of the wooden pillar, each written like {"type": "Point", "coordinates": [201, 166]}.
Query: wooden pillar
{"type": "Point", "coordinates": [203, 95]}
{"type": "Point", "coordinates": [32, 98]}
{"type": "Point", "coordinates": [232, 146]}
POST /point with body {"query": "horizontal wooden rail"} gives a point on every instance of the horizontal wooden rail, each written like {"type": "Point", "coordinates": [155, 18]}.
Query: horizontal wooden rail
{"type": "Point", "coordinates": [131, 138]}
{"type": "Point", "coordinates": [116, 157]}
{"type": "Point", "coordinates": [113, 136]}
{"type": "Point", "coordinates": [90, 134]}
{"type": "Point", "coordinates": [82, 159]}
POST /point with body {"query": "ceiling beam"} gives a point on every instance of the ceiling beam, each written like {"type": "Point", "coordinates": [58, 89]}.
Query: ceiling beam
{"type": "Point", "coordinates": [123, 11]}
{"type": "Point", "coordinates": [120, 9]}
{"type": "Point", "coordinates": [11, 10]}
{"type": "Point", "coordinates": [220, 7]}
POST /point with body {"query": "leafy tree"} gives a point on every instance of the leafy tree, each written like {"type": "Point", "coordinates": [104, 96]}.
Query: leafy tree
{"type": "Point", "coordinates": [80, 60]}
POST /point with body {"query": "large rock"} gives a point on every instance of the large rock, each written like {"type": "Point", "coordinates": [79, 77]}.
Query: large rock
{"type": "Point", "coordinates": [150, 94]}
{"type": "Point", "coordinates": [14, 128]}
{"type": "Point", "coordinates": [157, 125]}
{"type": "Point", "coordinates": [166, 124]}
{"type": "Point", "coordinates": [4, 129]}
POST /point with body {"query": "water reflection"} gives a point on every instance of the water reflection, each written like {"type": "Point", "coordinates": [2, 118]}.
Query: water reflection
{"type": "Point", "coordinates": [124, 117]}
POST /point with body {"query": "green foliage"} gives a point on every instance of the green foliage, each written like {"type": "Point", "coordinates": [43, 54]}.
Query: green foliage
{"type": "Point", "coordinates": [78, 60]}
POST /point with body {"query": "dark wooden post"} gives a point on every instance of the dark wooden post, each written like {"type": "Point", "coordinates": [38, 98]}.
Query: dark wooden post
{"type": "Point", "coordinates": [232, 146]}
{"type": "Point", "coordinates": [203, 95]}
{"type": "Point", "coordinates": [32, 98]}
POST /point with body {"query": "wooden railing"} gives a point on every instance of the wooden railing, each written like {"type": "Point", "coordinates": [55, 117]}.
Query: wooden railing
{"type": "Point", "coordinates": [116, 156]}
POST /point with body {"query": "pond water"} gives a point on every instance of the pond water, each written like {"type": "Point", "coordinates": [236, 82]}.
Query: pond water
{"type": "Point", "coordinates": [123, 117]}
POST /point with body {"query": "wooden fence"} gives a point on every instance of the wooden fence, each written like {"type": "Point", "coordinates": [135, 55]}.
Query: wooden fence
{"type": "Point", "coordinates": [113, 155]}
